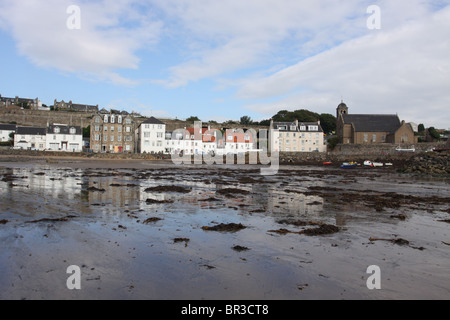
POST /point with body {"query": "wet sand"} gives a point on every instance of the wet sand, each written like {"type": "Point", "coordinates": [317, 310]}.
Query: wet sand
{"type": "Point", "coordinates": [153, 230]}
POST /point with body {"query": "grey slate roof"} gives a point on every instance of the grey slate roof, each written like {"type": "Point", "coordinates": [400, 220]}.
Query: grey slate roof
{"type": "Point", "coordinates": [31, 131]}
{"type": "Point", "coordinates": [288, 125]}
{"type": "Point", "coordinates": [373, 123]}
{"type": "Point", "coordinates": [64, 129]}
{"type": "Point", "coordinates": [8, 127]}
{"type": "Point", "coordinates": [153, 120]}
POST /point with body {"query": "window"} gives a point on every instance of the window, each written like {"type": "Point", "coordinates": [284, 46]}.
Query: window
{"type": "Point", "coordinates": [56, 130]}
{"type": "Point", "coordinates": [128, 129]}
{"type": "Point", "coordinates": [119, 138]}
{"type": "Point", "coordinates": [97, 120]}
{"type": "Point", "coordinates": [112, 138]}
{"type": "Point", "coordinates": [293, 128]}
{"type": "Point", "coordinates": [128, 121]}
{"type": "Point", "coordinates": [366, 137]}
{"type": "Point", "coordinates": [96, 137]}
{"type": "Point", "coordinates": [119, 129]}
{"type": "Point", "coordinates": [303, 128]}
{"type": "Point", "coordinates": [97, 128]}
{"type": "Point", "coordinates": [146, 134]}
{"type": "Point", "coordinates": [374, 138]}
{"type": "Point", "coordinates": [119, 119]}
{"type": "Point", "coordinates": [113, 119]}
{"type": "Point", "coordinates": [112, 128]}
{"type": "Point", "coordinates": [105, 119]}
{"type": "Point", "coordinates": [105, 128]}
{"type": "Point", "coordinates": [159, 135]}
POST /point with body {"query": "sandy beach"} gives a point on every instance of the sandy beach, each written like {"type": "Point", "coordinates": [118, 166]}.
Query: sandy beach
{"type": "Point", "coordinates": [152, 230]}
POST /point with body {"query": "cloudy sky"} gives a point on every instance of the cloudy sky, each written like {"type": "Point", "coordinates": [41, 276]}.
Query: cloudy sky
{"type": "Point", "coordinates": [220, 60]}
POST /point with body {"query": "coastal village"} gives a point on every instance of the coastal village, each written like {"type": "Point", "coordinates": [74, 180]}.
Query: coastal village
{"type": "Point", "coordinates": [115, 132]}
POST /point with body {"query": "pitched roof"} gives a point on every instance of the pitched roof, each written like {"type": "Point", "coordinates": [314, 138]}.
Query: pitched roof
{"type": "Point", "coordinates": [373, 122]}
{"type": "Point", "coordinates": [153, 120]}
{"type": "Point", "coordinates": [31, 131]}
{"type": "Point", "coordinates": [8, 127]}
{"type": "Point", "coordinates": [64, 129]}
{"type": "Point", "coordinates": [288, 126]}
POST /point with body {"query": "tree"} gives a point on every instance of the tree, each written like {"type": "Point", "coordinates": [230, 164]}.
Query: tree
{"type": "Point", "coordinates": [328, 122]}
{"type": "Point", "coordinates": [433, 133]}
{"type": "Point", "coordinates": [193, 118]}
{"type": "Point", "coordinates": [87, 132]}
{"type": "Point", "coordinates": [421, 128]}
{"type": "Point", "coordinates": [246, 120]}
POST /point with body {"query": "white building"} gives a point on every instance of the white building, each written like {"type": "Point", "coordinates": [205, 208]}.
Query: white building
{"type": "Point", "coordinates": [62, 137]}
{"type": "Point", "coordinates": [237, 141]}
{"type": "Point", "coordinates": [30, 138]}
{"type": "Point", "coordinates": [298, 137]}
{"type": "Point", "coordinates": [151, 136]}
{"type": "Point", "coordinates": [5, 131]}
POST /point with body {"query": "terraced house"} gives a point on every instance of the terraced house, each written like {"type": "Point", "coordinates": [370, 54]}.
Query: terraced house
{"type": "Point", "coordinates": [298, 137]}
{"type": "Point", "coordinates": [113, 133]}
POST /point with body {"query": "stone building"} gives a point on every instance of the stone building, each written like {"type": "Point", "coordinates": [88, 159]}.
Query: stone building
{"type": "Point", "coordinates": [69, 106]}
{"type": "Point", "coordinates": [372, 128]}
{"type": "Point", "coordinates": [113, 133]}
{"type": "Point", "coordinates": [33, 104]}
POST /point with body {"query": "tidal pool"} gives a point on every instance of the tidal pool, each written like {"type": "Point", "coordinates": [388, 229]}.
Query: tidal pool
{"type": "Point", "coordinates": [153, 230]}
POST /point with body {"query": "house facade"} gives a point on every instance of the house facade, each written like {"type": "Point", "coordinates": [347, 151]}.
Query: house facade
{"type": "Point", "coordinates": [151, 136]}
{"type": "Point", "coordinates": [372, 128]}
{"type": "Point", "coordinates": [61, 137]}
{"type": "Point", "coordinates": [5, 132]}
{"type": "Point", "coordinates": [30, 138]}
{"type": "Point", "coordinates": [112, 133]}
{"type": "Point", "coordinates": [298, 137]}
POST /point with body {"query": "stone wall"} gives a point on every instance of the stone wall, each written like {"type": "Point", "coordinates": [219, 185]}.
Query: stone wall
{"type": "Point", "coordinates": [35, 118]}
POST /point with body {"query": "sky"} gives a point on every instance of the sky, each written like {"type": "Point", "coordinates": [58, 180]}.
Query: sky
{"type": "Point", "coordinates": [223, 59]}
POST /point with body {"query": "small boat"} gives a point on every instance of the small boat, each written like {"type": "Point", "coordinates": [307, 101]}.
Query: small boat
{"type": "Point", "coordinates": [327, 163]}
{"type": "Point", "coordinates": [388, 164]}
{"type": "Point", "coordinates": [440, 150]}
{"type": "Point", "coordinates": [368, 163]}
{"type": "Point", "coordinates": [400, 149]}
{"type": "Point", "coordinates": [349, 165]}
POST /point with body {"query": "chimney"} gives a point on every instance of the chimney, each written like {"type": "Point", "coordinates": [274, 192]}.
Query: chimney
{"type": "Point", "coordinates": [296, 122]}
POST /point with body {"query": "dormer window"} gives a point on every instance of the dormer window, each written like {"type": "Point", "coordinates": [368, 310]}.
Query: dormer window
{"type": "Point", "coordinates": [73, 131]}
{"type": "Point", "coordinates": [302, 128]}
{"type": "Point", "coordinates": [113, 119]}
{"type": "Point", "coordinates": [105, 119]}
{"type": "Point", "coordinates": [119, 119]}
{"type": "Point", "coordinates": [56, 130]}
{"type": "Point", "coordinates": [293, 127]}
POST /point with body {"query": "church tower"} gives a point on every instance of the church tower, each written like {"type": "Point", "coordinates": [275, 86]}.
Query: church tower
{"type": "Point", "coordinates": [341, 109]}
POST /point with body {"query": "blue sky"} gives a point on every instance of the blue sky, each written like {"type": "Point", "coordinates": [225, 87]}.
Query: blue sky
{"type": "Point", "coordinates": [220, 60]}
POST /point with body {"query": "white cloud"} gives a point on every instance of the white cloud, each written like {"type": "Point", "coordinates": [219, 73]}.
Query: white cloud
{"type": "Point", "coordinates": [97, 50]}
{"type": "Point", "coordinates": [405, 69]}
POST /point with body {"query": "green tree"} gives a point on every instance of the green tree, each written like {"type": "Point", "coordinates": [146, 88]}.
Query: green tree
{"type": "Point", "coordinates": [193, 118]}
{"type": "Point", "coordinates": [433, 133]}
{"type": "Point", "coordinates": [246, 120]}
{"type": "Point", "coordinates": [87, 132]}
{"type": "Point", "coordinates": [328, 122]}
{"type": "Point", "coordinates": [421, 128]}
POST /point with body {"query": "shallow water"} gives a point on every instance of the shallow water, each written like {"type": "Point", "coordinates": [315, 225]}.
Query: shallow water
{"type": "Point", "coordinates": [54, 216]}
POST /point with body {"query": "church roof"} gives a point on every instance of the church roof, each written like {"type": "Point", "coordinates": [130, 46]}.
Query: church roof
{"type": "Point", "coordinates": [373, 122]}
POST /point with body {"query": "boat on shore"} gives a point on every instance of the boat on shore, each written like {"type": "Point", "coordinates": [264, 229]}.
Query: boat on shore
{"type": "Point", "coordinates": [329, 163]}
{"type": "Point", "coordinates": [349, 165]}
{"type": "Point", "coordinates": [400, 149]}
{"type": "Point", "coordinates": [368, 163]}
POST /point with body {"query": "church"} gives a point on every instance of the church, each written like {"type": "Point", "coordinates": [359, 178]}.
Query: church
{"type": "Point", "coordinates": [372, 128]}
